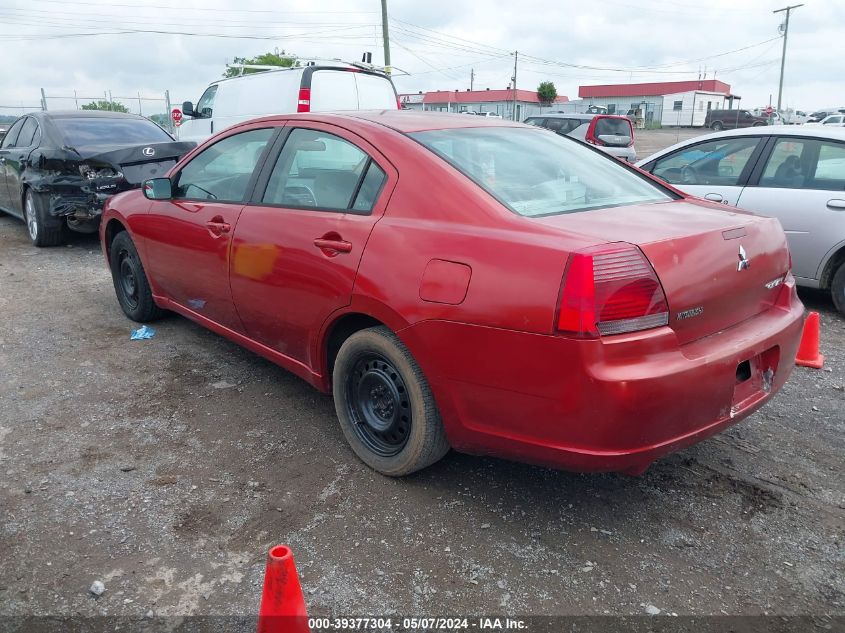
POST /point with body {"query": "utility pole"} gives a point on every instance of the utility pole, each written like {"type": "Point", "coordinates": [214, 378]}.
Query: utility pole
{"type": "Point", "coordinates": [471, 78]}
{"type": "Point", "coordinates": [515, 58]}
{"type": "Point", "coordinates": [783, 55]}
{"type": "Point", "coordinates": [386, 36]}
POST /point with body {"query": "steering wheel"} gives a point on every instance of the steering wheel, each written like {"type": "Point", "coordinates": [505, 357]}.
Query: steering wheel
{"type": "Point", "coordinates": [689, 176]}
{"type": "Point", "coordinates": [299, 196]}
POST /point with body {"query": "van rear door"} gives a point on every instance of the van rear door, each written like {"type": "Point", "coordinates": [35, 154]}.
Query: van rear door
{"type": "Point", "coordinates": [340, 89]}
{"type": "Point", "coordinates": [333, 90]}
{"type": "Point", "coordinates": [375, 92]}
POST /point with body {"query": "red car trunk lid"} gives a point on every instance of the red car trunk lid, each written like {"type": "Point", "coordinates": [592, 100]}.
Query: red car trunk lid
{"type": "Point", "coordinates": [717, 268]}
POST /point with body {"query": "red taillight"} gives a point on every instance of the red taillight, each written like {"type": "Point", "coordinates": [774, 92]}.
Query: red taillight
{"type": "Point", "coordinates": [304, 103]}
{"type": "Point", "coordinates": [590, 136]}
{"type": "Point", "coordinates": [398, 104]}
{"type": "Point", "coordinates": [610, 289]}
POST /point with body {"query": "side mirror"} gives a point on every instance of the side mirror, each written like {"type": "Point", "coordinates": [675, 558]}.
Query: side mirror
{"type": "Point", "coordinates": [158, 189]}
{"type": "Point", "coordinates": [188, 108]}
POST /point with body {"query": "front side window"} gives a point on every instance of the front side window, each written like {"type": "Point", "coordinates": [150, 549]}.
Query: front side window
{"type": "Point", "coordinates": [534, 173]}
{"type": "Point", "coordinates": [323, 171]}
{"type": "Point", "coordinates": [805, 164]}
{"type": "Point", "coordinates": [205, 106]}
{"type": "Point", "coordinates": [223, 171]}
{"type": "Point", "coordinates": [719, 162]}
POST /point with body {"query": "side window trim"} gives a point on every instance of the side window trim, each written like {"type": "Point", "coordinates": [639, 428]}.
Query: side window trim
{"type": "Point", "coordinates": [762, 160]}
{"type": "Point", "coordinates": [250, 187]}
{"type": "Point", "coordinates": [754, 161]}
{"type": "Point", "coordinates": [257, 197]}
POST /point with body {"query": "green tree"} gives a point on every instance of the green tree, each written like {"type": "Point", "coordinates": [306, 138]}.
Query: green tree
{"type": "Point", "coordinates": [546, 92]}
{"type": "Point", "coordinates": [102, 104]}
{"type": "Point", "coordinates": [276, 58]}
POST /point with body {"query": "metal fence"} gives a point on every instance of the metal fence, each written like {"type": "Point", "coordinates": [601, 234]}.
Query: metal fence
{"type": "Point", "coordinates": [157, 108]}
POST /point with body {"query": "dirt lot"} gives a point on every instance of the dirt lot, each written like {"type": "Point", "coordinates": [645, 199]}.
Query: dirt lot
{"type": "Point", "coordinates": [166, 468]}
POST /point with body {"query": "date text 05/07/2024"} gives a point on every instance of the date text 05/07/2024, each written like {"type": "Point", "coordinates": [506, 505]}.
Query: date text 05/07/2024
{"type": "Point", "coordinates": [416, 624]}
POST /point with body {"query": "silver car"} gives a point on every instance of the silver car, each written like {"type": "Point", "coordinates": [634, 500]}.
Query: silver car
{"type": "Point", "coordinates": [796, 175]}
{"type": "Point", "coordinates": [608, 132]}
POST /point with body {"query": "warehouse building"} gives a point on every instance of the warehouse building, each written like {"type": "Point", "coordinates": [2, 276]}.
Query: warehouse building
{"type": "Point", "coordinates": [668, 103]}
{"type": "Point", "coordinates": [499, 102]}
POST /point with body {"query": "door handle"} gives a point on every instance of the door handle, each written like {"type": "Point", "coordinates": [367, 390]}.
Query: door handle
{"type": "Point", "coordinates": [715, 197]}
{"type": "Point", "coordinates": [836, 204]}
{"type": "Point", "coordinates": [217, 226]}
{"type": "Point", "coordinates": [333, 246]}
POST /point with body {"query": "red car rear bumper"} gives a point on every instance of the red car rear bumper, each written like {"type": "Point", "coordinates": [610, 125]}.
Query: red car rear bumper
{"type": "Point", "coordinates": [614, 404]}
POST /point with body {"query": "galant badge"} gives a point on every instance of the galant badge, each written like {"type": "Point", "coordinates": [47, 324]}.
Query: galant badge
{"type": "Point", "coordinates": [744, 262]}
{"type": "Point", "coordinates": [148, 151]}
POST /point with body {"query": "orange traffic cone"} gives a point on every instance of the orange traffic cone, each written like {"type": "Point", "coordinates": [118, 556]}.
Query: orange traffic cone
{"type": "Point", "coordinates": [808, 351]}
{"type": "Point", "coordinates": [282, 607]}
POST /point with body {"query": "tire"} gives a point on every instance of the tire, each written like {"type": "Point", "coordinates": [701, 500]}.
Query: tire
{"type": "Point", "coordinates": [130, 281]}
{"type": "Point", "coordinates": [44, 229]}
{"type": "Point", "coordinates": [385, 406]}
{"type": "Point", "coordinates": [837, 289]}
{"type": "Point", "coordinates": [717, 126]}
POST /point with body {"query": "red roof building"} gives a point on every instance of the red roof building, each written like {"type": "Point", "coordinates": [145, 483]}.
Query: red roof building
{"type": "Point", "coordinates": [500, 102]}
{"type": "Point", "coordinates": [653, 89]}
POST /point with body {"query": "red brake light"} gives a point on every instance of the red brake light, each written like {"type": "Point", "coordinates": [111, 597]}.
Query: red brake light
{"type": "Point", "coordinates": [610, 289]}
{"type": "Point", "coordinates": [590, 136]}
{"type": "Point", "coordinates": [304, 103]}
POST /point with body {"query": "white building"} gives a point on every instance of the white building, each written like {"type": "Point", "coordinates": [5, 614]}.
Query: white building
{"type": "Point", "coordinates": [669, 103]}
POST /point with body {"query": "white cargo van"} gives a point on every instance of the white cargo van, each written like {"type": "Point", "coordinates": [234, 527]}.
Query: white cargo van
{"type": "Point", "coordinates": [313, 88]}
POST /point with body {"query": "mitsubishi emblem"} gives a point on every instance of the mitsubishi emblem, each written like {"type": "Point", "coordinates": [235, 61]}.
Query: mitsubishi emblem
{"type": "Point", "coordinates": [744, 262]}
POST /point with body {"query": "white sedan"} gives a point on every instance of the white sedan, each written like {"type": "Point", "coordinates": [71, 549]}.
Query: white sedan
{"type": "Point", "coordinates": [796, 174]}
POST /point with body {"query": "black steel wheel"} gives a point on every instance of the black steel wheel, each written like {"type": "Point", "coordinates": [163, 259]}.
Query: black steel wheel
{"type": "Point", "coordinates": [377, 400]}
{"type": "Point", "coordinates": [130, 281]}
{"type": "Point", "coordinates": [385, 405]}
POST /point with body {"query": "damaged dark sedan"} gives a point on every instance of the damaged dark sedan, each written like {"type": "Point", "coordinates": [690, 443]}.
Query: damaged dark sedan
{"type": "Point", "coordinates": [58, 168]}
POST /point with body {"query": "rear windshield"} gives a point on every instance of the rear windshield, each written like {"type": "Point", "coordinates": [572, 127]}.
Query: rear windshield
{"type": "Point", "coordinates": [536, 173]}
{"type": "Point", "coordinates": [95, 131]}
{"type": "Point", "coordinates": [613, 127]}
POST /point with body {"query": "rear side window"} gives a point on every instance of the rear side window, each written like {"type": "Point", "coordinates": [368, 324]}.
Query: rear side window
{"type": "Point", "coordinates": [12, 134]}
{"type": "Point", "coordinates": [719, 162]}
{"type": "Point", "coordinates": [27, 134]}
{"type": "Point", "coordinates": [223, 170]}
{"type": "Point", "coordinates": [805, 164]}
{"type": "Point", "coordinates": [562, 126]}
{"type": "Point", "coordinates": [322, 171]}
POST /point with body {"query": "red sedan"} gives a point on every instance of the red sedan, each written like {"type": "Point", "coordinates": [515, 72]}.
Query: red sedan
{"type": "Point", "coordinates": [469, 283]}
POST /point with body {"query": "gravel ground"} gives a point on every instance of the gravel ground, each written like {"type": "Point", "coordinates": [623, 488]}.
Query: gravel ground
{"type": "Point", "coordinates": [166, 469]}
{"type": "Point", "coordinates": [647, 142]}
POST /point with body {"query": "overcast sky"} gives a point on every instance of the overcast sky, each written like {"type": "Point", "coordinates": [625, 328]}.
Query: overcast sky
{"type": "Point", "coordinates": [94, 46]}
